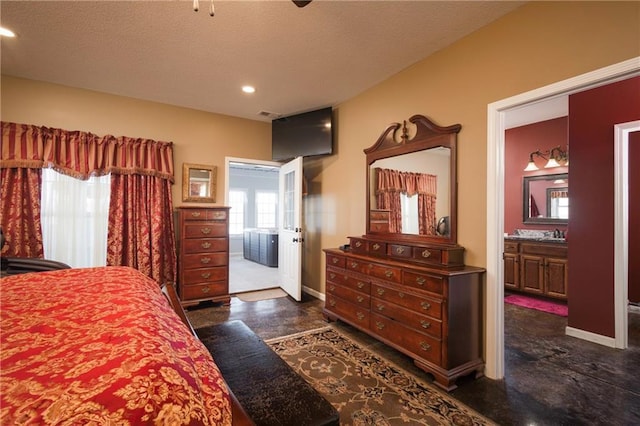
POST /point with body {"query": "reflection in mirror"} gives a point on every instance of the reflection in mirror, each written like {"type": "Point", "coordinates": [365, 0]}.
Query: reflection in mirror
{"type": "Point", "coordinates": [422, 181]}
{"type": "Point", "coordinates": [198, 183]}
{"type": "Point", "coordinates": [546, 199]}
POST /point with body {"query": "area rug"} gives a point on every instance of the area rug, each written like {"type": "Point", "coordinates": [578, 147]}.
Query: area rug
{"type": "Point", "coordinates": [255, 296]}
{"type": "Point", "coordinates": [538, 304]}
{"type": "Point", "coordinates": [364, 387]}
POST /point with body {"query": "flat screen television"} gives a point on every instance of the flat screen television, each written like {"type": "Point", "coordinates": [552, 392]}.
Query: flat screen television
{"type": "Point", "coordinates": [302, 135]}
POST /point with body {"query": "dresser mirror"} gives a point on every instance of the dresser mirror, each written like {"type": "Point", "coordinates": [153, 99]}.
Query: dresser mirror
{"type": "Point", "coordinates": [198, 183]}
{"type": "Point", "coordinates": [411, 181]}
{"type": "Point", "coordinates": [546, 199]}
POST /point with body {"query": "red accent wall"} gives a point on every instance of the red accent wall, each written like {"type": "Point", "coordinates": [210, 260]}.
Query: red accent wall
{"type": "Point", "coordinates": [592, 115]}
{"type": "Point", "coordinates": [634, 217]}
{"type": "Point", "coordinates": [519, 143]}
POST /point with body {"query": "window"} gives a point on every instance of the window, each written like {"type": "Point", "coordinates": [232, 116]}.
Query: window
{"type": "Point", "coordinates": [266, 209]}
{"type": "Point", "coordinates": [237, 201]}
{"type": "Point", "coordinates": [75, 218]}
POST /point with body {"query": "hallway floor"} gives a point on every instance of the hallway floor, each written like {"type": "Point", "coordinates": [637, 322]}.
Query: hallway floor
{"type": "Point", "coordinates": [551, 378]}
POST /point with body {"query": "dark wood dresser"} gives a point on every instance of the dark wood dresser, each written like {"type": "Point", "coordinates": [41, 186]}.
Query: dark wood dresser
{"type": "Point", "coordinates": [203, 254]}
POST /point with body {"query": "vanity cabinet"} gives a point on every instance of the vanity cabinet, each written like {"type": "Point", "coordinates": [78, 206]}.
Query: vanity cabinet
{"type": "Point", "coordinates": [431, 315]}
{"type": "Point", "coordinates": [537, 267]}
{"type": "Point", "coordinates": [203, 254]}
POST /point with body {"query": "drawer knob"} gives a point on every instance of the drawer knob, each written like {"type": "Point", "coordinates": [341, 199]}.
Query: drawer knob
{"type": "Point", "coordinates": [332, 303]}
{"type": "Point", "coordinates": [195, 214]}
{"type": "Point", "coordinates": [388, 273]}
{"type": "Point", "coordinates": [358, 244]}
{"type": "Point", "coordinates": [380, 307]}
{"type": "Point", "coordinates": [426, 253]}
{"type": "Point", "coordinates": [381, 291]}
{"type": "Point", "coordinates": [421, 280]}
{"type": "Point", "coordinates": [206, 231]}
{"type": "Point", "coordinates": [425, 324]}
{"type": "Point", "coordinates": [379, 325]}
{"type": "Point", "coordinates": [205, 275]}
{"type": "Point", "coordinates": [376, 246]}
{"type": "Point", "coordinates": [399, 250]}
{"type": "Point", "coordinates": [335, 260]}
{"type": "Point", "coordinates": [360, 299]}
{"type": "Point", "coordinates": [219, 215]}
{"type": "Point", "coordinates": [425, 305]}
{"type": "Point", "coordinates": [206, 245]}
{"type": "Point", "coordinates": [332, 275]}
{"type": "Point", "coordinates": [360, 315]}
{"type": "Point", "coordinates": [332, 288]}
{"type": "Point", "coordinates": [205, 260]}
{"type": "Point", "coordinates": [425, 346]}
{"type": "Point", "coordinates": [205, 289]}
{"type": "Point", "coordinates": [401, 295]}
{"type": "Point", "coordinates": [360, 284]}
{"type": "Point", "coordinates": [354, 265]}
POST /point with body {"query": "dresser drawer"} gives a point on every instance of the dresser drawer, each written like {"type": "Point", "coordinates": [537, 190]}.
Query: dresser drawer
{"type": "Point", "coordinates": [417, 303]}
{"type": "Point", "coordinates": [337, 261]}
{"type": "Point", "coordinates": [376, 248]}
{"type": "Point", "coordinates": [204, 214]}
{"type": "Point", "coordinates": [336, 276]}
{"type": "Point", "coordinates": [422, 345]}
{"type": "Point", "coordinates": [510, 247]}
{"type": "Point", "coordinates": [423, 323]}
{"type": "Point", "coordinates": [400, 251]}
{"type": "Point", "coordinates": [430, 255]}
{"type": "Point", "coordinates": [195, 276]}
{"type": "Point", "coordinates": [356, 265]}
{"type": "Point", "coordinates": [205, 229]}
{"type": "Point", "coordinates": [202, 291]}
{"type": "Point", "coordinates": [358, 245]}
{"type": "Point", "coordinates": [432, 283]}
{"type": "Point", "coordinates": [349, 312]}
{"type": "Point", "coordinates": [202, 260]}
{"type": "Point", "coordinates": [388, 273]}
{"type": "Point", "coordinates": [352, 296]}
{"type": "Point", "coordinates": [204, 245]}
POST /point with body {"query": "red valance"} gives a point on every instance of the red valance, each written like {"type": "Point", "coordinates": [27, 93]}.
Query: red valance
{"type": "Point", "coordinates": [83, 154]}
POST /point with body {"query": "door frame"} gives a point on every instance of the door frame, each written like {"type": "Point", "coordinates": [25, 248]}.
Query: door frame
{"type": "Point", "coordinates": [496, 118]}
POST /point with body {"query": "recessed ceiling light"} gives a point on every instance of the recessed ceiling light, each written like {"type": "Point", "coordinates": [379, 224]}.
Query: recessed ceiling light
{"type": "Point", "coordinates": [248, 89]}
{"type": "Point", "coordinates": [6, 32]}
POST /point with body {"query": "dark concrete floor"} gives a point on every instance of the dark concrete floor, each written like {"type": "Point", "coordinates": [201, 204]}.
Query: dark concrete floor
{"type": "Point", "coordinates": [551, 378]}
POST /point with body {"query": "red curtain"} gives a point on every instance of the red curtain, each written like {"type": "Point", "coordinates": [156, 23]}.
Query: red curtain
{"type": "Point", "coordinates": [141, 204]}
{"type": "Point", "coordinates": [392, 183]}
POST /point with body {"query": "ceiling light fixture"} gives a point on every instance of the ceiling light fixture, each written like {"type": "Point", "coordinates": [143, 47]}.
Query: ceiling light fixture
{"type": "Point", "coordinates": [248, 89]}
{"type": "Point", "coordinates": [5, 32]}
{"type": "Point", "coordinates": [196, 7]}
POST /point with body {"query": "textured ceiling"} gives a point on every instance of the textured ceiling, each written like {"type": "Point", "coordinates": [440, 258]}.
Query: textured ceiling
{"type": "Point", "coordinates": [298, 59]}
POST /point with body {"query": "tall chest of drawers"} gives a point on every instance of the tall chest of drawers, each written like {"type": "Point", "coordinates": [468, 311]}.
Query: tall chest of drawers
{"type": "Point", "coordinates": [432, 315]}
{"type": "Point", "coordinates": [203, 254]}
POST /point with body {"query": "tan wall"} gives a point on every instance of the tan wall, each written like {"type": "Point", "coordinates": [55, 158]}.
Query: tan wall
{"type": "Point", "coordinates": [536, 45]}
{"type": "Point", "coordinates": [198, 137]}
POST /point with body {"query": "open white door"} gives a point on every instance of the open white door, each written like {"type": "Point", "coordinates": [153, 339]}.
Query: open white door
{"type": "Point", "coordinates": [290, 235]}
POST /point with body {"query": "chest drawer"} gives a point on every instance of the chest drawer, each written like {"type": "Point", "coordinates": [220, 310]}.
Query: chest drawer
{"type": "Point", "coordinates": [358, 245]}
{"type": "Point", "coordinates": [205, 229]}
{"type": "Point", "coordinates": [337, 261]}
{"type": "Point", "coordinates": [422, 323]}
{"type": "Point", "coordinates": [204, 245]}
{"type": "Point", "coordinates": [432, 283]}
{"type": "Point", "coordinates": [202, 260]}
{"type": "Point", "coordinates": [398, 250]}
{"type": "Point", "coordinates": [353, 281]}
{"type": "Point", "coordinates": [200, 291]}
{"type": "Point", "coordinates": [355, 297]}
{"type": "Point", "coordinates": [430, 255]}
{"type": "Point", "coordinates": [205, 214]}
{"type": "Point", "coordinates": [348, 311]}
{"type": "Point", "coordinates": [423, 305]}
{"type": "Point", "coordinates": [195, 276]}
{"type": "Point", "coordinates": [385, 272]}
{"type": "Point", "coordinates": [422, 345]}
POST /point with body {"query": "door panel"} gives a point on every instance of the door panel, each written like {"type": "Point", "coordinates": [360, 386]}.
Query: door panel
{"type": "Point", "coordinates": [290, 228]}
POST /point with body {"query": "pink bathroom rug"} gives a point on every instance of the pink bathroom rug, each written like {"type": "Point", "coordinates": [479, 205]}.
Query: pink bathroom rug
{"type": "Point", "coordinates": [538, 304]}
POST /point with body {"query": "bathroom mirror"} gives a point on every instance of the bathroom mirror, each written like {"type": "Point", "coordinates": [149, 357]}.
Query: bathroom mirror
{"type": "Point", "coordinates": [198, 183]}
{"type": "Point", "coordinates": [546, 199]}
{"type": "Point", "coordinates": [411, 182]}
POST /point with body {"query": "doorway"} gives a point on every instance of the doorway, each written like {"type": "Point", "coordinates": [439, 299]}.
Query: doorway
{"type": "Point", "coordinates": [497, 115]}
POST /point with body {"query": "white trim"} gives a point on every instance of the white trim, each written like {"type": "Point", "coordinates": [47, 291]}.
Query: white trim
{"type": "Point", "coordinates": [494, 340]}
{"type": "Point", "coordinates": [590, 337]}
{"type": "Point", "coordinates": [228, 160]}
{"type": "Point", "coordinates": [313, 292]}
{"type": "Point", "coordinates": [621, 225]}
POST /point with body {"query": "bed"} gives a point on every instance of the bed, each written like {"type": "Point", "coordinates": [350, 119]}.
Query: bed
{"type": "Point", "coordinates": [103, 346]}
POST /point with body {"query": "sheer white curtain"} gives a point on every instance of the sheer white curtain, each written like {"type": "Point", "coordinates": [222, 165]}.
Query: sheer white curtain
{"type": "Point", "coordinates": [74, 219]}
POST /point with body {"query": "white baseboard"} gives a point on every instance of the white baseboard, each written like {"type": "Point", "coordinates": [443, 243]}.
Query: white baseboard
{"type": "Point", "coordinates": [591, 337]}
{"type": "Point", "coordinates": [634, 309]}
{"type": "Point", "coordinates": [313, 292]}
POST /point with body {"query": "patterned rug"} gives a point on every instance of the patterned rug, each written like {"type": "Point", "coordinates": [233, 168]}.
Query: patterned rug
{"type": "Point", "coordinates": [365, 388]}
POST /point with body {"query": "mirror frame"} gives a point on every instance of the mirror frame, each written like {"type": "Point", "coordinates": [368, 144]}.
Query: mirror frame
{"type": "Point", "coordinates": [186, 195]}
{"type": "Point", "coordinates": [427, 135]}
{"type": "Point", "coordinates": [525, 200]}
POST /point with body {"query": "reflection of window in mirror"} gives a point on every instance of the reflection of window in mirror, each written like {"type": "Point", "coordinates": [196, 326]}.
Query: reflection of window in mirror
{"type": "Point", "coordinates": [409, 206]}
{"type": "Point", "coordinates": [558, 202]}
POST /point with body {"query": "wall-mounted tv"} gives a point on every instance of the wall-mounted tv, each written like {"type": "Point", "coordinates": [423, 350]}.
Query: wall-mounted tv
{"type": "Point", "coordinates": [302, 135]}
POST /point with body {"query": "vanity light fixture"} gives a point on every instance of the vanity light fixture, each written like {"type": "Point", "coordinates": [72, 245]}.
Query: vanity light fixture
{"type": "Point", "coordinates": [5, 32]}
{"type": "Point", "coordinates": [196, 7]}
{"type": "Point", "coordinates": [556, 156]}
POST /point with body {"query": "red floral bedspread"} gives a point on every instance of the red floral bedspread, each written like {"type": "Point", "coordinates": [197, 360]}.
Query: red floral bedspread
{"type": "Point", "coordinates": [101, 346]}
